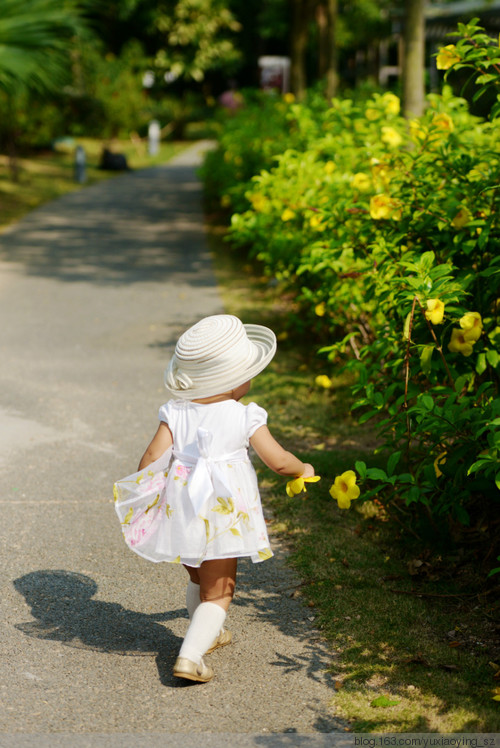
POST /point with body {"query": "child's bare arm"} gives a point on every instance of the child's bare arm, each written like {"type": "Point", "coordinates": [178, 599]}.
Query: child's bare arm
{"type": "Point", "coordinates": [277, 458]}
{"type": "Point", "coordinates": [161, 441]}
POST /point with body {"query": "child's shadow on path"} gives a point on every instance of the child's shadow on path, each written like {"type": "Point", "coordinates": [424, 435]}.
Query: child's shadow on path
{"type": "Point", "coordinates": [62, 603]}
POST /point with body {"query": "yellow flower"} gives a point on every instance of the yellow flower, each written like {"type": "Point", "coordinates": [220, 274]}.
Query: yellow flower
{"type": "Point", "coordinates": [446, 57]}
{"type": "Point", "coordinates": [322, 380]}
{"type": "Point", "coordinates": [287, 215]}
{"type": "Point", "coordinates": [391, 137]}
{"type": "Point", "coordinates": [320, 309]}
{"type": "Point", "coordinates": [440, 460]}
{"type": "Point", "coordinates": [259, 202]}
{"type": "Point", "coordinates": [345, 489]}
{"type": "Point", "coordinates": [372, 114]}
{"type": "Point", "coordinates": [315, 222]}
{"type": "Point", "coordinates": [472, 326]}
{"type": "Point", "coordinates": [289, 98]}
{"type": "Point", "coordinates": [459, 343]}
{"type": "Point", "coordinates": [383, 206]}
{"type": "Point", "coordinates": [417, 130]}
{"type": "Point", "coordinates": [435, 311]}
{"type": "Point", "coordinates": [392, 103]}
{"type": "Point", "coordinates": [462, 218]}
{"type": "Point", "coordinates": [330, 167]}
{"type": "Point", "coordinates": [443, 121]}
{"type": "Point", "coordinates": [297, 485]}
{"type": "Point", "coordinates": [361, 181]}
{"type": "Point", "coordinates": [381, 172]}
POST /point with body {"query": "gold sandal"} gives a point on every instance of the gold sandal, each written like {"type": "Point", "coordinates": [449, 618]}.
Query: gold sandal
{"type": "Point", "coordinates": [185, 668]}
{"type": "Point", "coordinates": [225, 637]}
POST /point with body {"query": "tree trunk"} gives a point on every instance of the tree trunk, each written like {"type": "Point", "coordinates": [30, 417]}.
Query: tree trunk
{"type": "Point", "coordinates": [332, 76]}
{"type": "Point", "coordinates": [414, 58]}
{"type": "Point", "coordinates": [323, 40]}
{"type": "Point", "coordinates": [298, 47]}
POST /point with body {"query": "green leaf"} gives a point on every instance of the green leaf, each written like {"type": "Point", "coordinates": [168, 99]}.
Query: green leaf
{"type": "Point", "coordinates": [427, 402]}
{"type": "Point", "coordinates": [425, 358]}
{"type": "Point", "coordinates": [481, 363]}
{"type": "Point", "coordinates": [406, 330]}
{"type": "Point", "coordinates": [384, 701]}
{"type": "Point", "coordinates": [360, 468]}
{"type": "Point", "coordinates": [493, 357]}
{"type": "Point", "coordinates": [376, 474]}
{"type": "Point", "coordinates": [392, 462]}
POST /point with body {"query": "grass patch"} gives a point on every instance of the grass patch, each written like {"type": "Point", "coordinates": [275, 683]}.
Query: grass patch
{"type": "Point", "coordinates": [46, 175]}
{"type": "Point", "coordinates": [412, 627]}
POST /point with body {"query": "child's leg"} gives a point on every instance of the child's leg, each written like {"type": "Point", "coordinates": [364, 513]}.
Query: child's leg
{"type": "Point", "coordinates": [192, 590]}
{"type": "Point", "coordinates": [217, 583]}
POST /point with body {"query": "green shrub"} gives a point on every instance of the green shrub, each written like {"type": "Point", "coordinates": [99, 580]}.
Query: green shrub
{"type": "Point", "coordinates": [387, 231]}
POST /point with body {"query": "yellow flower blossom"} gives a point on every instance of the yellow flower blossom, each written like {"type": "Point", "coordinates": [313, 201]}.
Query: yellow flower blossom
{"type": "Point", "coordinates": [446, 57]}
{"type": "Point", "coordinates": [287, 215]}
{"type": "Point", "coordinates": [472, 326]}
{"type": "Point", "coordinates": [320, 309]}
{"type": "Point", "coordinates": [440, 460]}
{"type": "Point", "coordinates": [391, 137]}
{"type": "Point", "coordinates": [417, 130]}
{"type": "Point", "coordinates": [392, 103]}
{"type": "Point", "coordinates": [443, 121]}
{"type": "Point", "coordinates": [289, 98]}
{"type": "Point", "coordinates": [459, 343]}
{"type": "Point", "coordinates": [259, 201]}
{"type": "Point", "coordinates": [435, 311]}
{"type": "Point", "coordinates": [462, 218]}
{"type": "Point", "coordinates": [383, 207]}
{"type": "Point", "coordinates": [361, 181]}
{"type": "Point", "coordinates": [344, 489]}
{"type": "Point", "coordinates": [323, 380]}
{"type": "Point", "coordinates": [381, 172]}
{"type": "Point", "coordinates": [330, 167]}
{"type": "Point", "coordinates": [315, 222]}
{"type": "Point", "coordinates": [372, 114]}
{"type": "Point", "coordinates": [297, 485]}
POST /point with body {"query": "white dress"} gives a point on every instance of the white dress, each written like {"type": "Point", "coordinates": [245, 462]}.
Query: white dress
{"type": "Point", "coordinates": [201, 500]}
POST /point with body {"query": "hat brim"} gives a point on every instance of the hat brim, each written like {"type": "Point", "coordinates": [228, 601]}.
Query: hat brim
{"type": "Point", "coordinates": [264, 345]}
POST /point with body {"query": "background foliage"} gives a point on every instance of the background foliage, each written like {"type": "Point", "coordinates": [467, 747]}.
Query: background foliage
{"type": "Point", "coordinates": [387, 234]}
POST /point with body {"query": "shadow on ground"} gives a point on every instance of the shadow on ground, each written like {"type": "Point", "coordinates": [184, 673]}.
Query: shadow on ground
{"type": "Point", "coordinates": [93, 235]}
{"type": "Point", "coordinates": [64, 609]}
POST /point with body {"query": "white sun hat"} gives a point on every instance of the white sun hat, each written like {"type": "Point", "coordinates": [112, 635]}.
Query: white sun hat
{"type": "Point", "coordinates": [216, 355]}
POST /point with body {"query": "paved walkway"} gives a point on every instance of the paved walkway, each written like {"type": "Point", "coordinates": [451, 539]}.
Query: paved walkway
{"type": "Point", "coordinates": [94, 290]}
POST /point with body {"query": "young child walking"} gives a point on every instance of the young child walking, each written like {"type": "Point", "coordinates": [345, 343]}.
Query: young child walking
{"type": "Point", "coordinates": [204, 509]}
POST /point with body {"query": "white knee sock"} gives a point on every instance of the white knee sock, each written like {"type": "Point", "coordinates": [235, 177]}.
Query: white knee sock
{"type": "Point", "coordinates": [204, 627]}
{"type": "Point", "coordinates": [192, 597]}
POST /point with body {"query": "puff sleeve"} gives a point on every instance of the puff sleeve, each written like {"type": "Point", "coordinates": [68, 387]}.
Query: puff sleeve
{"type": "Point", "coordinates": [164, 414]}
{"type": "Point", "coordinates": [255, 418]}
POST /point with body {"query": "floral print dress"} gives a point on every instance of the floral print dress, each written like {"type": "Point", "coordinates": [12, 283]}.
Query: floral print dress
{"type": "Point", "coordinates": [200, 500]}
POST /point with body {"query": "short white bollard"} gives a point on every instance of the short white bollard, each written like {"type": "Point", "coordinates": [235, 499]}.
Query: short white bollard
{"type": "Point", "coordinates": [153, 138]}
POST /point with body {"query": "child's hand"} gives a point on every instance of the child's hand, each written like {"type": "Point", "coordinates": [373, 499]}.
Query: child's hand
{"type": "Point", "coordinates": [308, 471]}
{"type": "Point", "coordinates": [298, 485]}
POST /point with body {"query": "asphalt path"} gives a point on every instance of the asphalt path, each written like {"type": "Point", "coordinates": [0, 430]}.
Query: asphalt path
{"type": "Point", "coordinates": [94, 290]}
